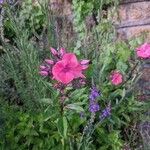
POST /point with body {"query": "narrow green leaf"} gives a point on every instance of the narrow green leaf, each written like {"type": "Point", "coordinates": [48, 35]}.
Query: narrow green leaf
{"type": "Point", "coordinates": [62, 126]}
{"type": "Point", "coordinates": [75, 106]}
{"type": "Point", "coordinates": [46, 100]}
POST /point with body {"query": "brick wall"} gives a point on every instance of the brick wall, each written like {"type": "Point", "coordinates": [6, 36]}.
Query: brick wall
{"type": "Point", "coordinates": [134, 19]}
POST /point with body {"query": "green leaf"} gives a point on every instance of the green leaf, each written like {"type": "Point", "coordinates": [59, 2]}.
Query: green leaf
{"type": "Point", "coordinates": [121, 66]}
{"type": "Point", "coordinates": [127, 118]}
{"type": "Point", "coordinates": [75, 95]}
{"type": "Point", "coordinates": [75, 106]}
{"type": "Point", "coordinates": [46, 100]}
{"type": "Point", "coordinates": [123, 93]}
{"type": "Point", "coordinates": [62, 126]}
{"type": "Point", "coordinates": [124, 53]}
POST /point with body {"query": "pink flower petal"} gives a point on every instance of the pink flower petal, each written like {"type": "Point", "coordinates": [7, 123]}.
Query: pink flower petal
{"type": "Point", "coordinates": [76, 71]}
{"type": "Point", "coordinates": [48, 61]}
{"type": "Point", "coordinates": [81, 76]}
{"type": "Point", "coordinates": [84, 67]}
{"type": "Point", "coordinates": [84, 62]}
{"type": "Point", "coordinates": [143, 51]}
{"type": "Point", "coordinates": [43, 73]}
{"type": "Point", "coordinates": [42, 67]}
{"type": "Point", "coordinates": [62, 51]}
{"type": "Point", "coordinates": [65, 78]}
{"type": "Point", "coordinates": [57, 68]}
{"type": "Point", "coordinates": [70, 59]}
{"type": "Point", "coordinates": [53, 51]}
{"type": "Point", "coordinates": [116, 78]}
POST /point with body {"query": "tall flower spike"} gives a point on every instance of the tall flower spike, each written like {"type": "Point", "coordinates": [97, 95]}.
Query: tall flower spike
{"type": "Point", "coordinates": [94, 94]}
{"type": "Point", "coordinates": [105, 113]}
{"type": "Point", "coordinates": [94, 108]}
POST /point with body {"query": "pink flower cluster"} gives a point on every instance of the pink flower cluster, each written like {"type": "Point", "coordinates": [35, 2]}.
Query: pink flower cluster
{"type": "Point", "coordinates": [65, 67]}
{"type": "Point", "coordinates": [116, 78]}
{"type": "Point", "coordinates": [143, 51]}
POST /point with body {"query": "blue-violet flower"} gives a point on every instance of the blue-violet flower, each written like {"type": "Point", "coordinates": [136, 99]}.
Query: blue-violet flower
{"type": "Point", "coordinates": [94, 94]}
{"type": "Point", "coordinates": [105, 113]}
{"type": "Point", "coordinates": [94, 108]}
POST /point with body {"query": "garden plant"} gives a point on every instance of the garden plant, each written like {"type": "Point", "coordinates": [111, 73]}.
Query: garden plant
{"type": "Point", "coordinates": [76, 93]}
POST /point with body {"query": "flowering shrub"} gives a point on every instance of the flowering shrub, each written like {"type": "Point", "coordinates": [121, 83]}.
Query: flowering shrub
{"type": "Point", "coordinates": [77, 103]}
{"type": "Point", "coordinates": [65, 68]}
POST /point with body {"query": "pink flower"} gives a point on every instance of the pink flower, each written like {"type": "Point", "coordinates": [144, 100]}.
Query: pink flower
{"type": "Point", "coordinates": [53, 51]}
{"type": "Point", "coordinates": [67, 69]}
{"type": "Point", "coordinates": [116, 78]}
{"type": "Point", "coordinates": [143, 51]}
{"type": "Point", "coordinates": [42, 67]}
{"type": "Point", "coordinates": [43, 73]}
{"type": "Point", "coordinates": [61, 51]}
{"type": "Point", "coordinates": [48, 61]}
{"type": "Point", "coordinates": [85, 64]}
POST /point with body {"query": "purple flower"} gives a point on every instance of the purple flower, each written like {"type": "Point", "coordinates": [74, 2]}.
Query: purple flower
{"type": "Point", "coordinates": [94, 108]}
{"type": "Point", "coordinates": [94, 94]}
{"type": "Point", "coordinates": [1, 1]}
{"type": "Point", "coordinates": [105, 113]}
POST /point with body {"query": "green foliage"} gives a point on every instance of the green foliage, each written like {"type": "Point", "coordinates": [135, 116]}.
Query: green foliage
{"type": "Point", "coordinates": [28, 131]}
{"type": "Point", "coordinates": [32, 14]}
{"type": "Point", "coordinates": [30, 17]}
{"type": "Point", "coordinates": [62, 126]}
{"type": "Point", "coordinates": [20, 80]}
{"type": "Point", "coordinates": [111, 141]}
{"type": "Point", "coordinates": [92, 10]}
{"type": "Point", "coordinates": [36, 117]}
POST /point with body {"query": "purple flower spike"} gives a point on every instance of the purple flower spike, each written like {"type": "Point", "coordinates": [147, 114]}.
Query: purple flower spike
{"type": "Point", "coordinates": [94, 108]}
{"type": "Point", "coordinates": [105, 113]}
{"type": "Point", "coordinates": [94, 94]}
